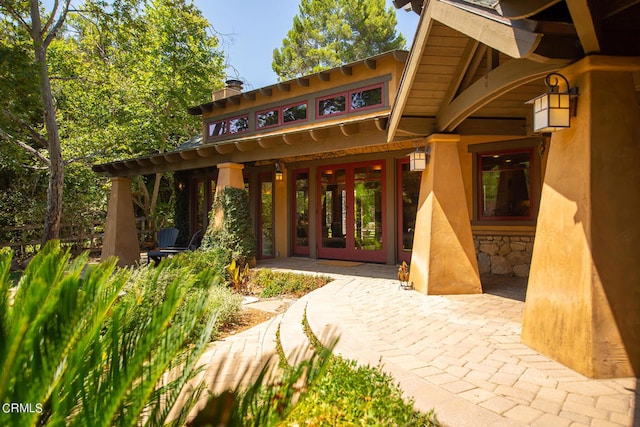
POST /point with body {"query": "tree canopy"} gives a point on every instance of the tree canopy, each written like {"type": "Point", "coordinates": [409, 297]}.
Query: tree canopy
{"type": "Point", "coordinates": [122, 75]}
{"type": "Point", "coordinates": [328, 33]}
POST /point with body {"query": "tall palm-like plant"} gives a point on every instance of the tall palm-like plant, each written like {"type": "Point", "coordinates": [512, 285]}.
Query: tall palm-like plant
{"type": "Point", "coordinates": [73, 354]}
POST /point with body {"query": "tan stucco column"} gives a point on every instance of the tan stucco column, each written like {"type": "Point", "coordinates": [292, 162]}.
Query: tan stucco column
{"type": "Point", "coordinates": [444, 259]}
{"type": "Point", "coordinates": [583, 299]}
{"type": "Point", "coordinates": [120, 234]}
{"type": "Point", "coordinates": [229, 175]}
{"type": "Point", "coordinates": [281, 210]}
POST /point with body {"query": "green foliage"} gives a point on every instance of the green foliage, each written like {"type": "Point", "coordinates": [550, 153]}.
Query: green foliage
{"type": "Point", "coordinates": [352, 395]}
{"type": "Point", "coordinates": [239, 277]}
{"type": "Point", "coordinates": [236, 231]}
{"type": "Point", "coordinates": [201, 284]}
{"type": "Point", "coordinates": [275, 283]}
{"type": "Point", "coordinates": [78, 349]}
{"type": "Point", "coordinates": [329, 33]}
{"type": "Point", "coordinates": [122, 75]}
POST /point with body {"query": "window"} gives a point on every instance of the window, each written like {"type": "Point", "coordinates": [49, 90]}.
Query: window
{"type": "Point", "coordinates": [218, 128]}
{"type": "Point", "coordinates": [268, 118]}
{"type": "Point", "coordinates": [234, 125]}
{"type": "Point", "coordinates": [504, 185]}
{"type": "Point", "coordinates": [331, 105]}
{"type": "Point", "coordinates": [357, 99]}
{"type": "Point", "coordinates": [366, 98]}
{"type": "Point", "coordinates": [239, 124]}
{"type": "Point", "coordinates": [294, 113]}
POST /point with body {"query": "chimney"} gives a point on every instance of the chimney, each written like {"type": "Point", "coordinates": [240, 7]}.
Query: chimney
{"type": "Point", "coordinates": [233, 87]}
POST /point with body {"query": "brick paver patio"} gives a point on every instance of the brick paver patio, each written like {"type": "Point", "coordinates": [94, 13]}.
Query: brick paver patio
{"type": "Point", "coordinates": [458, 354]}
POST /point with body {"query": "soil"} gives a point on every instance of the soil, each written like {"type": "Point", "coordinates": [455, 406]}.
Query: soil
{"type": "Point", "coordinates": [247, 318]}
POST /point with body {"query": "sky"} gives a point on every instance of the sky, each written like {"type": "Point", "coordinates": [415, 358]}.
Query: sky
{"type": "Point", "coordinates": [252, 29]}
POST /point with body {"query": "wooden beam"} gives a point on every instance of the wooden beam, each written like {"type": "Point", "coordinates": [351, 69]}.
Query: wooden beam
{"type": "Point", "coordinates": [318, 134]}
{"type": "Point", "coordinates": [473, 67]}
{"type": "Point", "coordinates": [157, 160]}
{"type": "Point", "coordinates": [370, 64]}
{"type": "Point", "coordinates": [249, 96]}
{"type": "Point", "coordinates": [381, 123]}
{"type": "Point", "coordinates": [207, 151]}
{"type": "Point", "coordinates": [461, 70]}
{"type": "Point", "coordinates": [225, 148]}
{"type": "Point", "coordinates": [614, 7]}
{"type": "Point", "coordinates": [520, 9]}
{"type": "Point", "coordinates": [189, 154]}
{"type": "Point", "coordinates": [244, 146]}
{"type": "Point", "coordinates": [292, 138]}
{"type": "Point", "coordinates": [144, 162]}
{"type": "Point", "coordinates": [346, 71]}
{"type": "Point", "coordinates": [503, 35]}
{"type": "Point", "coordinates": [588, 27]}
{"type": "Point", "coordinates": [266, 91]}
{"type": "Point", "coordinates": [482, 126]}
{"type": "Point", "coordinates": [303, 82]}
{"type": "Point", "coordinates": [417, 126]}
{"type": "Point", "coordinates": [267, 142]}
{"type": "Point", "coordinates": [349, 129]}
{"type": "Point", "coordinates": [284, 87]}
{"type": "Point", "coordinates": [510, 75]}
{"type": "Point", "coordinates": [234, 100]}
{"type": "Point", "coordinates": [324, 76]}
{"type": "Point", "coordinates": [172, 157]}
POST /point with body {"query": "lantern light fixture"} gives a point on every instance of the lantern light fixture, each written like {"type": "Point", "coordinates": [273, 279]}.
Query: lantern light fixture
{"type": "Point", "coordinates": [418, 160]}
{"type": "Point", "coordinates": [279, 174]}
{"type": "Point", "coordinates": [552, 110]}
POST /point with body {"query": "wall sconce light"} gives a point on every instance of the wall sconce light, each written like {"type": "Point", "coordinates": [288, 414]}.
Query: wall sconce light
{"type": "Point", "coordinates": [180, 185]}
{"type": "Point", "coordinates": [418, 160]}
{"type": "Point", "coordinates": [552, 110]}
{"type": "Point", "coordinates": [279, 174]}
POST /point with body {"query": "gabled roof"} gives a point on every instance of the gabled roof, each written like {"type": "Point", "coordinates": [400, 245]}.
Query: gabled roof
{"type": "Point", "coordinates": [325, 75]}
{"type": "Point", "coordinates": [485, 58]}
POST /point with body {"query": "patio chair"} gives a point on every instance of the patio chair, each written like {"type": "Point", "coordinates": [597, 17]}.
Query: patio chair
{"type": "Point", "coordinates": [166, 238]}
{"type": "Point", "coordinates": [194, 243]}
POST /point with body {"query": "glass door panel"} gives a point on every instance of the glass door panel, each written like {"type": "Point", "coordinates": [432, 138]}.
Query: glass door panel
{"type": "Point", "coordinates": [265, 240]}
{"type": "Point", "coordinates": [367, 194]}
{"type": "Point", "coordinates": [333, 218]}
{"type": "Point", "coordinates": [301, 217]}
{"type": "Point", "coordinates": [352, 215]}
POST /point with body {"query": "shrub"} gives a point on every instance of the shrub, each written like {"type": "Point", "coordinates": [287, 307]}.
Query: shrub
{"type": "Point", "coordinates": [205, 286]}
{"type": "Point", "coordinates": [236, 232]}
{"type": "Point", "coordinates": [83, 353]}
{"type": "Point", "coordinates": [352, 395]}
{"type": "Point", "coordinates": [286, 283]}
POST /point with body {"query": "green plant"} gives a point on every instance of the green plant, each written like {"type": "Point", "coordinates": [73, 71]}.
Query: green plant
{"type": "Point", "coordinates": [352, 395]}
{"type": "Point", "coordinates": [236, 231]}
{"type": "Point", "coordinates": [77, 351]}
{"type": "Point", "coordinates": [239, 277]}
{"type": "Point", "coordinates": [274, 283]}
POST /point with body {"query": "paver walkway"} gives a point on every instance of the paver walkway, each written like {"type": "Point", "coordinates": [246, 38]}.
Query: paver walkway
{"type": "Point", "coordinates": [458, 354]}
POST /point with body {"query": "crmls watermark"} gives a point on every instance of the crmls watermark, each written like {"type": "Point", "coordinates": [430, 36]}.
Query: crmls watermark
{"type": "Point", "coordinates": [21, 408]}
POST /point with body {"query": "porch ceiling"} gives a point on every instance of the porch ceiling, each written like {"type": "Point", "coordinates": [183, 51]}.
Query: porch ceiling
{"type": "Point", "coordinates": [483, 59]}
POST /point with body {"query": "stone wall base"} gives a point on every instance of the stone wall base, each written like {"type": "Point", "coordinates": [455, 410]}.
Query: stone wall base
{"type": "Point", "coordinates": [504, 255]}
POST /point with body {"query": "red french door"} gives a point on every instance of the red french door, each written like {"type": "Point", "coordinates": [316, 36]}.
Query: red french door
{"type": "Point", "coordinates": [351, 215]}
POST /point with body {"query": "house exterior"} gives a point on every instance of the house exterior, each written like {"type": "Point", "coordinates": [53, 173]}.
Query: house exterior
{"type": "Point", "coordinates": [324, 158]}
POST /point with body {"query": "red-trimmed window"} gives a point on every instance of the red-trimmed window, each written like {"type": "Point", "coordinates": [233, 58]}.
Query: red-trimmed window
{"type": "Point", "coordinates": [505, 185]}
{"type": "Point", "coordinates": [233, 125]}
{"type": "Point", "coordinates": [350, 101]}
{"type": "Point", "coordinates": [268, 118]}
{"type": "Point", "coordinates": [294, 112]}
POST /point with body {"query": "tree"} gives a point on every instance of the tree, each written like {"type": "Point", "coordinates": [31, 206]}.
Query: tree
{"type": "Point", "coordinates": [122, 75]}
{"type": "Point", "coordinates": [30, 19]}
{"type": "Point", "coordinates": [328, 33]}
